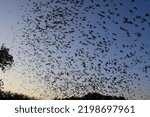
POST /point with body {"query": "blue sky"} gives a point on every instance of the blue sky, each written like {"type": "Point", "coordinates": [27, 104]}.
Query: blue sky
{"type": "Point", "coordinates": [36, 67]}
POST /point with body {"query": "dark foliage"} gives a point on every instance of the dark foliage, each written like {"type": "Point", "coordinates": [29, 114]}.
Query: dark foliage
{"type": "Point", "coordinates": [6, 60]}
{"type": "Point", "coordinates": [13, 96]}
{"type": "Point", "coordinates": [90, 96]}
{"type": "Point", "coordinates": [95, 96]}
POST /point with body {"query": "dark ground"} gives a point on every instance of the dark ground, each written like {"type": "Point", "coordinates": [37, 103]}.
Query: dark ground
{"type": "Point", "coordinates": [89, 96]}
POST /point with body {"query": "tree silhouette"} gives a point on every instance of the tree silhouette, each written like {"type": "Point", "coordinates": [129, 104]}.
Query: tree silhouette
{"type": "Point", "coordinates": [94, 96]}
{"type": "Point", "coordinates": [7, 95]}
{"type": "Point", "coordinates": [6, 61]}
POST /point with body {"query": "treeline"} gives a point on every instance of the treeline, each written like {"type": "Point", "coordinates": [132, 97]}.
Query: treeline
{"type": "Point", "coordinates": [90, 96]}
{"type": "Point", "coordinates": [95, 96]}
{"type": "Point", "coordinates": [7, 95]}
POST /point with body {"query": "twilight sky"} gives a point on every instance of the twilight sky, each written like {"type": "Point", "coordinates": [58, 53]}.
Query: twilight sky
{"type": "Point", "coordinates": [64, 48]}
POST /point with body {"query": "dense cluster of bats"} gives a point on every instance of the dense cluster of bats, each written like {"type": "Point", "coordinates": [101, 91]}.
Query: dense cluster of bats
{"type": "Point", "coordinates": [73, 47]}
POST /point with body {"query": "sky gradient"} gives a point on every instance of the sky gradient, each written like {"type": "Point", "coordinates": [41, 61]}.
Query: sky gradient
{"type": "Point", "coordinates": [57, 55]}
